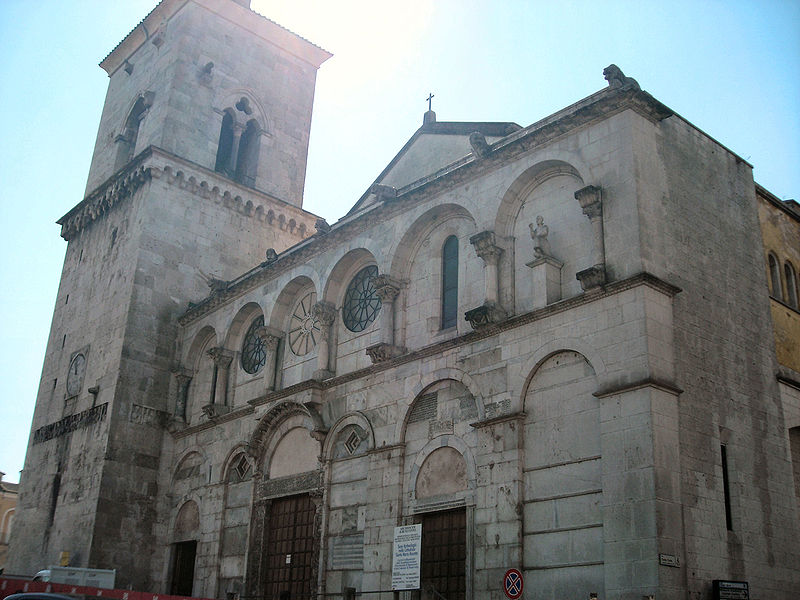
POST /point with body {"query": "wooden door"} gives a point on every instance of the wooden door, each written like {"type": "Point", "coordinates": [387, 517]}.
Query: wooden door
{"type": "Point", "coordinates": [183, 568]}
{"type": "Point", "coordinates": [290, 549]}
{"type": "Point", "coordinates": [444, 553]}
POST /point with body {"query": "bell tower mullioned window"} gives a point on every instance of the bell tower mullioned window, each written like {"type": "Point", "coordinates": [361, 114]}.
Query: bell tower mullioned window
{"type": "Point", "coordinates": [239, 145]}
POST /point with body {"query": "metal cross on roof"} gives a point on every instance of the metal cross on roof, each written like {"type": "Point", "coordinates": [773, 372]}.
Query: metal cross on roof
{"type": "Point", "coordinates": [429, 98]}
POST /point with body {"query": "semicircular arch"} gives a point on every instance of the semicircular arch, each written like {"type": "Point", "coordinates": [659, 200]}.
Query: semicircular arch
{"type": "Point", "coordinates": [522, 186]}
{"type": "Point", "coordinates": [409, 244]}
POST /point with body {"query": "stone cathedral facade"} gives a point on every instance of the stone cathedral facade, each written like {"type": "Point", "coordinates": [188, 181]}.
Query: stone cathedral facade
{"type": "Point", "coordinates": [550, 345]}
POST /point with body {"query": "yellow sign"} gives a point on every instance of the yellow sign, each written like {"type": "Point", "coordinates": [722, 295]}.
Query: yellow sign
{"type": "Point", "coordinates": [63, 559]}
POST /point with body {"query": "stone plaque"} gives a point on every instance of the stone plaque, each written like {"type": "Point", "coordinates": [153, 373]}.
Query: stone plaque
{"type": "Point", "coordinates": [669, 560]}
{"type": "Point", "coordinates": [347, 552]}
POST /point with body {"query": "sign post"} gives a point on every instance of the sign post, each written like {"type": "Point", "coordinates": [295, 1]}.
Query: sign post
{"type": "Point", "coordinates": [513, 584]}
{"type": "Point", "coordinates": [406, 557]}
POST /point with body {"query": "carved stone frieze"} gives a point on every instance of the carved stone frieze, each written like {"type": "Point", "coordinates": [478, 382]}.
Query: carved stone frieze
{"type": "Point", "coordinates": [292, 484]}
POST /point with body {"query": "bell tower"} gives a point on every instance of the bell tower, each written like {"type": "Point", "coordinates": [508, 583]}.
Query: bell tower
{"type": "Point", "coordinates": [198, 170]}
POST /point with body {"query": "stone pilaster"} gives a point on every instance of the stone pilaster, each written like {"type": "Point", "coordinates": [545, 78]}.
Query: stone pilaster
{"type": "Point", "coordinates": [182, 379]}
{"type": "Point", "coordinates": [325, 313]}
{"type": "Point", "coordinates": [271, 339]}
{"type": "Point", "coordinates": [490, 311]}
{"type": "Point", "coordinates": [387, 290]}
{"type": "Point", "coordinates": [591, 201]}
{"type": "Point", "coordinates": [218, 403]}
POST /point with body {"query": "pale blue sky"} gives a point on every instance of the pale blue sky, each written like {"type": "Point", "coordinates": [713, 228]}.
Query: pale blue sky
{"type": "Point", "coordinates": [732, 68]}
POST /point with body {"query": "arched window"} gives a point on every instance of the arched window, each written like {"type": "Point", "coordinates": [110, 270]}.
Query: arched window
{"type": "Point", "coordinates": [127, 139]}
{"type": "Point", "coordinates": [225, 147]}
{"type": "Point", "coordinates": [450, 282]}
{"type": "Point", "coordinates": [775, 278]}
{"type": "Point", "coordinates": [238, 148]}
{"type": "Point", "coordinates": [247, 159]}
{"type": "Point", "coordinates": [791, 284]}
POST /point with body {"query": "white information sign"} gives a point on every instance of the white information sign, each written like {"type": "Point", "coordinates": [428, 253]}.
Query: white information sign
{"type": "Point", "coordinates": [406, 557]}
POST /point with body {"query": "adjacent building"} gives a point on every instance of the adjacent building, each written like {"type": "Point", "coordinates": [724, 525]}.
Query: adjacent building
{"type": "Point", "coordinates": [551, 346]}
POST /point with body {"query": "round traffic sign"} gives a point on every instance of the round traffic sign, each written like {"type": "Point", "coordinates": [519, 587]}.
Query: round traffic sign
{"type": "Point", "coordinates": [512, 584]}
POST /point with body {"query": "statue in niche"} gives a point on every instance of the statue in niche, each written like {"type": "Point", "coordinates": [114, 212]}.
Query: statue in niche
{"type": "Point", "coordinates": [541, 245]}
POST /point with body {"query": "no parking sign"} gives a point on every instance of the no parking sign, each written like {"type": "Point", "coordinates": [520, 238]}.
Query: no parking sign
{"type": "Point", "coordinates": [513, 584]}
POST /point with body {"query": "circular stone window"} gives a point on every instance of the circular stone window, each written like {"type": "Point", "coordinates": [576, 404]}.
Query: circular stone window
{"type": "Point", "coordinates": [303, 326]}
{"type": "Point", "coordinates": [254, 354]}
{"type": "Point", "coordinates": [361, 303]}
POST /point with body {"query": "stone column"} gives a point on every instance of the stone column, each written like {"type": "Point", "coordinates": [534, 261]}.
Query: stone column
{"type": "Point", "coordinates": [590, 199]}
{"type": "Point", "coordinates": [183, 380]}
{"type": "Point", "coordinates": [387, 290]}
{"type": "Point", "coordinates": [271, 339]}
{"type": "Point", "coordinates": [237, 137]}
{"type": "Point", "coordinates": [490, 311]}
{"type": "Point", "coordinates": [325, 313]}
{"type": "Point", "coordinates": [219, 390]}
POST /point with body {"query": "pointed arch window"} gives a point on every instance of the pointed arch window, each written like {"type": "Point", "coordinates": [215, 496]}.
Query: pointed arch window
{"type": "Point", "coordinates": [775, 277]}
{"type": "Point", "coordinates": [791, 284]}
{"type": "Point", "coordinates": [450, 282]}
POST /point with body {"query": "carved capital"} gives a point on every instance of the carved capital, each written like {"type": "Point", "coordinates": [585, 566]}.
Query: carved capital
{"type": "Point", "coordinates": [269, 336]}
{"type": "Point", "coordinates": [324, 312]}
{"type": "Point", "coordinates": [221, 357]}
{"type": "Point", "coordinates": [212, 411]}
{"type": "Point", "coordinates": [591, 201]}
{"type": "Point", "coordinates": [484, 315]}
{"type": "Point", "coordinates": [383, 352]}
{"type": "Point", "coordinates": [485, 247]}
{"type": "Point", "coordinates": [386, 288]}
{"type": "Point", "coordinates": [591, 278]}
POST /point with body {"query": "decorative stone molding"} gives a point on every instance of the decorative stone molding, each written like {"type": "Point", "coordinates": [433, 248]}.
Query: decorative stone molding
{"type": "Point", "coordinates": [103, 199]}
{"type": "Point", "coordinates": [486, 314]}
{"type": "Point", "coordinates": [232, 201]}
{"type": "Point", "coordinates": [383, 192]}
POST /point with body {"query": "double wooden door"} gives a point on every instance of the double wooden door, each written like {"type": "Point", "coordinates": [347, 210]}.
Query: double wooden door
{"type": "Point", "coordinates": [290, 551]}
{"type": "Point", "coordinates": [444, 553]}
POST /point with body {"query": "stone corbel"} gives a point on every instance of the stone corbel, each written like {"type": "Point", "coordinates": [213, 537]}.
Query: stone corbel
{"type": "Point", "coordinates": [325, 313]}
{"type": "Point", "coordinates": [271, 338]}
{"type": "Point", "coordinates": [387, 289]}
{"type": "Point", "coordinates": [490, 253]}
{"type": "Point", "coordinates": [591, 201]}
